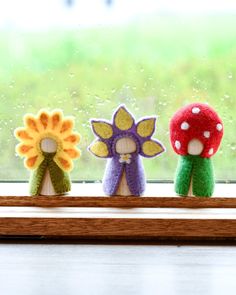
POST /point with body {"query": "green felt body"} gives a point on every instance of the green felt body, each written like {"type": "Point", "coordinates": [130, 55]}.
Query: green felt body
{"type": "Point", "coordinates": [197, 169]}
{"type": "Point", "coordinates": [60, 179]}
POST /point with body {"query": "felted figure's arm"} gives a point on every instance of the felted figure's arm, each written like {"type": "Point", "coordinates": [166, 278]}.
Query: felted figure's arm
{"type": "Point", "coordinates": [183, 175]}
{"type": "Point", "coordinates": [36, 178]}
{"type": "Point", "coordinates": [203, 177]}
{"type": "Point", "coordinates": [60, 179]}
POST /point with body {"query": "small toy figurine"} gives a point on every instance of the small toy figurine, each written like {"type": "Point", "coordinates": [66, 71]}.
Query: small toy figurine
{"type": "Point", "coordinates": [195, 133]}
{"type": "Point", "coordinates": [48, 144]}
{"type": "Point", "coordinates": [123, 141]}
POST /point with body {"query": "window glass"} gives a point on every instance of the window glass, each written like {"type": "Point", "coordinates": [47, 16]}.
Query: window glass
{"type": "Point", "coordinates": [86, 57]}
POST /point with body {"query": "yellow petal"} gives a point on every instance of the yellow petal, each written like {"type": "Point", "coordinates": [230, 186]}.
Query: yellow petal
{"type": "Point", "coordinates": [102, 129]}
{"type": "Point", "coordinates": [73, 153]}
{"type": "Point", "coordinates": [123, 119]}
{"type": "Point", "coordinates": [146, 127]}
{"type": "Point", "coordinates": [152, 148]}
{"type": "Point", "coordinates": [65, 164]}
{"type": "Point", "coordinates": [33, 161]}
{"type": "Point", "coordinates": [31, 122]}
{"type": "Point", "coordinates": [63, 161]}
{"type": "Point", "coordinates": [73, 138]}
{"type": "Point", "coordinates": [23, 149]}
{"type": "Point", "coordinates": [22, 134]}
{"type": "Point", "coordinates": [99, 149]}
{"type": "Point", "coordinates": [44, 119]}
{"type": "Point", "coordinates": [67, 125]}
{"type": "Point", "coordinates": [56, 119]}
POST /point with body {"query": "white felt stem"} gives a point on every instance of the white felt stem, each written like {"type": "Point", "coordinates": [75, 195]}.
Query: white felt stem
{"type": "Point", "coordinates": [50, 146]}
{"type": "Point", "coordinates": [124, 145]}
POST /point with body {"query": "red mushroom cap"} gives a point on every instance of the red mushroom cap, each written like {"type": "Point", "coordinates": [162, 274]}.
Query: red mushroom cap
{"type": "Point", "coordinates": [196, 121]}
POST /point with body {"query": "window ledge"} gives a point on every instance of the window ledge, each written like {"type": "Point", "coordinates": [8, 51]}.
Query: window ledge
{"type": "Point", "coordinates": [87, 214]}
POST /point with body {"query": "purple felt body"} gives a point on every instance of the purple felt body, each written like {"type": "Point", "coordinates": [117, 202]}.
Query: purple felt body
{"type": "Point", "coordinates": [134, 175]}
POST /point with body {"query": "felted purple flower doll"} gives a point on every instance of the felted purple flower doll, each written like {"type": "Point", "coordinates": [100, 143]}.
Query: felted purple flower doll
{"type": "Point", "coordinates": [123, 142]}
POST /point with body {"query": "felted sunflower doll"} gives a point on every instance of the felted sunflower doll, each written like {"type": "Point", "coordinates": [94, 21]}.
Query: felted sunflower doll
{"type": "Point", "coordinates": [48, 143]}
{"type": "Point", "coordinates": [122, 142]}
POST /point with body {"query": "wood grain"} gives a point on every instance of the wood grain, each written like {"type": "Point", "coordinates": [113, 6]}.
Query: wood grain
{"type": "Point", "coordinates": [117, 218]}
{"type": "Point", "coordinates": [118, 201]}
{"type": "Point", "coordinates": [114, 223]}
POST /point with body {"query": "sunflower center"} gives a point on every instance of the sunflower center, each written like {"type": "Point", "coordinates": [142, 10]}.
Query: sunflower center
{"type": "Point", "coordinates": [48, 145]}
{"type": "Point", "coordinates": [125, 145]}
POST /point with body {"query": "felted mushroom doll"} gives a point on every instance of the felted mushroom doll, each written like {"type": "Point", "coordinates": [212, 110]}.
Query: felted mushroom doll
{"type": "Point", "coordinates": [122, 142]}
{"type": "Point", "coordinates": [196, 131]}
{"type": "Point", "coordinates": [48, 144]}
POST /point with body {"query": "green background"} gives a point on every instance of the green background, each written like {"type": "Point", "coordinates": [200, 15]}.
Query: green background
{"type": "Point", "coordinates": [154, 66]}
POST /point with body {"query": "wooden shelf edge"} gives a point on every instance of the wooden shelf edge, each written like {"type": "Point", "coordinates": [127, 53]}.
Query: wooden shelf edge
{"type": "Point", "coordinates": [116, 201]}
{"type": "Point", "coordinates": [115, 228]}
{"type": "Point", "coordinates": [118, 224]}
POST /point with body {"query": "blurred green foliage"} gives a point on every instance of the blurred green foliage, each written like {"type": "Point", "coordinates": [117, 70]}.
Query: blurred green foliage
{"type": "Point", "coordinates": [153, 66]}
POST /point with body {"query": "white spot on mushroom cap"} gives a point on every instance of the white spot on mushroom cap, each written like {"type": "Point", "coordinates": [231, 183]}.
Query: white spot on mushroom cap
{"type": "Point", "coordinates": [177, 144]}
{"type": "Point", "coordinates": [185, 126]}
{"type": "Point", "coordinates": [207, 134]}
{"type": "Point", "coordinates": [211, 151]}
{"type": "Point", "coordinates": [219, 127]}
{"type": "Point", "coordinates": [196, 110]}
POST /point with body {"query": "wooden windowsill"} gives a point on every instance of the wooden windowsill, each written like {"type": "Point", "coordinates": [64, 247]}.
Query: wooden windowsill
{"type": "Point", "coordinates": [87, 214]}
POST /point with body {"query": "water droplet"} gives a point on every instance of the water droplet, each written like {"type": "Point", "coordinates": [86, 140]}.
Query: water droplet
{"type": "Point", "coordinates": [97, 181]}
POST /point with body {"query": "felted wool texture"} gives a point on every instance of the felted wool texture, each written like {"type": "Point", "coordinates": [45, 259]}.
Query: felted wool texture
{"type": "Point", "coordinates": [196, 121]}
{"type": "Point", "coordinates": [183, 175]}
{"type": "Point", "coordinates": [200, 170]}
{"type": "Point", "coordinates": [146, 127]}
{"type": "Point", "coordinates": [52, 125]}
{"type": "Point", "coordinates": [123, 119]}
{"type": "Point", "coordinates": [203, 177]}
{"type": "Point", "coordinates": [60, 179]}
{"type": "Point", "coordinates": [134, 175]}
{"type": "Point", "coordinates": [123, 125]}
